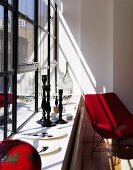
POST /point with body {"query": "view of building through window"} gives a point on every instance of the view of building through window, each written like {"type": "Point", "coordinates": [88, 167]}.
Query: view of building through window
{"type": "Point", "coordinates": [19, 64]}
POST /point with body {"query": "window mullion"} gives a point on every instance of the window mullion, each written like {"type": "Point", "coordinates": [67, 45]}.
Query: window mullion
{"type": "Point", "coordinates": [5, 69]}
{"type": "Point", "coordinates": [15, 63]}
{"type": "Point", "coordinates": [48, 71]}
{"type": "Point", "coordinates": [36, 54]}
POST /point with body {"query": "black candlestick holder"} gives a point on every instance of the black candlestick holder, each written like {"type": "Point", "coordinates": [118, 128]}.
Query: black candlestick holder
{"type": "Point", "coordinates": [60, 108]}
{"type": "Point", "coordinates": [48, 122]}
{"type": "Point", "coordinates": [56, 101]}
{"type": "Point", "coordinates": [56, 104]}
{"type": "Point", "coordinates": [44, 103]}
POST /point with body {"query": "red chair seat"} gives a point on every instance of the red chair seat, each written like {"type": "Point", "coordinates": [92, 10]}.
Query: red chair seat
{"type": "Point", "coordinates": [112, 117]}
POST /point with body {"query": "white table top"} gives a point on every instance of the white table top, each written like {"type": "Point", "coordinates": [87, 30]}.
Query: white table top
{"type": "Point", "coordinates": [54, 156]}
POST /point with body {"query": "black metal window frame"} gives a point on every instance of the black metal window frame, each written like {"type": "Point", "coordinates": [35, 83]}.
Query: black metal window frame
{"type": "Point", "coordinates": [16, 14]}
{"type": "Point", "coordinates": [54, 37]}
{"type": "Point", "coordinates": [6, 72]}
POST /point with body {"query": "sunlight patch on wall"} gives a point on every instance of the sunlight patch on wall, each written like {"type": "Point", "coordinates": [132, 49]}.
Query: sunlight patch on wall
{"type": "Point", "coordinates": [81, 74]}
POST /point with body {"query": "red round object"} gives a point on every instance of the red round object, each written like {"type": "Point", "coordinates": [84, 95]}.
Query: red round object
{"type": "Point", "coordinates": [18, 155]}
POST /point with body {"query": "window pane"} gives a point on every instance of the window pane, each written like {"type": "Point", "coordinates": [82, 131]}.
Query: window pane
{"type": "Point", "coordinates": [52, 26]}
{"type": "Point", "coordinates": [43, 14]}
{"type": "Point", "coordinates": [10, 40]}
{"type": "Point", "coordinates": [9, 114]}
{"type": "Point", "coordinates": [52, 65]}
{"type": "Point", "coordinates": [53, 2]}
{"type": "Point", "coordinates": [10, 2]}
{"type": "Point", "coordinates": [52, 21]}
{"type": "Point", "coordinates": [25, 96]}
{"type": "Point", "coordinates": [1, 39]}
{"type": "Point", "coordinates": [26, 44]}
{"type": "Point", "coordinates": [42, 58]}
{"type": "Point", "coordinates": [1, 107]}
{"type": "Point", "coordinates": [27, 8]}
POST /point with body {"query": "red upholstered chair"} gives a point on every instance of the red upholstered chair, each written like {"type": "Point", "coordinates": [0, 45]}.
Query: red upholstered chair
{"type": "Point", "coordinates": [2, 105]}
{"type": "Point", "coordinates": [2, 99]}
{"type": "Point", "coordinates": [109, 117]}
{"type": "Point", "coordinates": [18, 155]}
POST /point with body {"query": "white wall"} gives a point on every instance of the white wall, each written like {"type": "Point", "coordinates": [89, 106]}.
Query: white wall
{"type": "Point", "coordinates": [71, 13]}
{"type": "Point", "coordinates": [123, 51]}
{"type": "Point", "coordinates": [97, 40]}
{"type": "Point", "coordinates": [89, 44]}
{"type": "Point", "coordinates": [100, 50]}
{"type": "Point", "coordinates": [69, 40]}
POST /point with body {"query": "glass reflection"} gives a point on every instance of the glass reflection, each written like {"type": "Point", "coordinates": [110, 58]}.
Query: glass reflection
{"type": "Point", "coordinates": [1, 108]}
{"type": "Point", "coordinates": [25, 96]}
{"type": "Point", "coordinates": [52, 27]}
{"type": "Point", "coordinates": [43, 14]}
{"type": "Point", "coordinates": [1, 39]}
{"type": "Point", "coordinates": [9, 115]}
{"type": "Point", "coordinates": [26, 43]}
{"type": "Point", "coordinates": [52, 22]}
{"type": "Point", "coordinates": [27, 8]}
{"type": "Point", "coordinates": [42, 58]}
{"type": "Point", "coordinates": [52, 69]}
{"type": "Point", "coordinates": [11, 2]}
{"type": "Point", "coordinates": [9, 107]}
{"type": "Point", "coordinates": [10, 39]}
{"type": "Point", "coordinates": [53, 3]}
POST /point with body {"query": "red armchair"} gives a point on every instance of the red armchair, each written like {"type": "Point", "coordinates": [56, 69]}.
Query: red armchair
{"type": "Point", "coordinates": [109, 117]}
{"type": "Point", "coordinates": [2, 99]}
{"type": "Point", "coordinates": [2, 105]}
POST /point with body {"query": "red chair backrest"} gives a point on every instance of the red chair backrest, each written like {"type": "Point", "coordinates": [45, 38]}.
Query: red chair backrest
{"type": "Point", "coordinates": [116, 108]}
{"type": "Point", "coordinates": [106, 108]}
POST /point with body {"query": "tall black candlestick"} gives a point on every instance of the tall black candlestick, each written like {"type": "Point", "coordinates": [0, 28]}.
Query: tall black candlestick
{"type": "Point", "coordinates": [48, 122]}
{"type": "Point", "coordinates": [44, 104]}
{"type": "Point", "coordinates": [56, 104]}
{"type": "Point", "coordinates": [60, 107]}
{"type": "Point", "coordinates": [56, 101]}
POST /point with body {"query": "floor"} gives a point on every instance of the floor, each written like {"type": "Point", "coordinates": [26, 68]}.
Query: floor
{"type": "Point", "coordinates": [25, 108]}
{"type": "Point", "coordinates": [103, 158]}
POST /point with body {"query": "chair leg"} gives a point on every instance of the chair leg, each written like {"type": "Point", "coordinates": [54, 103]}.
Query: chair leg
{"type": "Point", "coordinates": [94, 147]}
{"type": "Point", "coordinates": [92, 144]}
{"type": "Point", "coordinates": [117, 141]}
{"type": "Point", "coordinates": [116, 163]}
